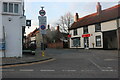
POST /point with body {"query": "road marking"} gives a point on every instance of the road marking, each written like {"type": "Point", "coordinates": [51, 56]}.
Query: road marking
{"type": "Point", "coordinates": [109, 59]}
{"type": "Point", "coordinates": [7, 70]}
{"type": "Point", "coordinates": [69, 70]}
{"type": "Point", "coordinates": [109, 70]}
{"type": "Point", "coordinates": [95, 64]}
{"type": "Point", "coordinates": [27, 64]}
{"type": "Point", "coordinates": [46, 70]}
{"type": "Point", "coordinates": [26, 70]}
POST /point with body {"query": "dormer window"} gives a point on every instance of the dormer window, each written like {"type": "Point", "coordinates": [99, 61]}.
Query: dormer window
{"type": "Point", "coordinates": [97, 27]}
{"type": "Point", "coordinates": [75, 32]}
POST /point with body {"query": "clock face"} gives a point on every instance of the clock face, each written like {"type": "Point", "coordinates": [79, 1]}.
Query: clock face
{"type": "Point", "coordinates": [42, 12]}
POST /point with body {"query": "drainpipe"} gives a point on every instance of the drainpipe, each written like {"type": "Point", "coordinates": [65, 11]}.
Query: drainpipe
{"type": "Point", "coordinates": [118, 25]}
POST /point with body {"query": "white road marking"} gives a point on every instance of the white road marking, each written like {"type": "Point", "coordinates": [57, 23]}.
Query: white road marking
{"type": "Point", "coordinates": [26, 70]}
{"type": "Point", "coordinates": [109, 59]}
{"type": "Point", "coordinates": [109, 70]}
{"type": "Point", "coordinates": [69, 70]}
{"type": "Point", "coordinates": [95, 64]}
{"type": "Point", "coordinates": [7, 70]}
{"type": "Point", "coordinates": [82, 70]}
{"type": "Point", "coordinates": [47, 70]}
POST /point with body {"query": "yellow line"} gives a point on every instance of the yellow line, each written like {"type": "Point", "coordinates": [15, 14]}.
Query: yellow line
{"type": "Point", "coordinates": [26, 64]}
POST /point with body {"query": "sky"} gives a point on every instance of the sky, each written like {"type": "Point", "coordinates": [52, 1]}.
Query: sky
{"type": "Point", "coordinates": [55, 9]}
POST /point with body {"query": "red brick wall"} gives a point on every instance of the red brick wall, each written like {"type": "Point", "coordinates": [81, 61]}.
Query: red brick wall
{"type": "Point", "coordinates": [55, 45]}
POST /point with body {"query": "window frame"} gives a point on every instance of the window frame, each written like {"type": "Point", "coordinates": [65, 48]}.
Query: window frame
{"type": "Point", "coordinates": [13, 7]}
{"type": "Point", "coordinates": [98, 43]}
{"type": "Point", "coordinates": [98, 27]}
{"type": "Point", "coordinates": [9, 10]}
{"type": "Point", "coordinates": [4, 7]}
{"type": "Point", "coordinates": [85, 30]}
{"type": "Point", "coordinates": [75, 32]}
{"type": "Point", "coordinates": [79, 39]}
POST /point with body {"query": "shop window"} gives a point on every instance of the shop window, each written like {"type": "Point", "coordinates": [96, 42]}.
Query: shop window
{"type": "Point", "coordinates": [98, 41]}
{"type": "Point", "coordinates": [76, 42]}
{"type": "Point", "coordinates": [85, 30]}
{"type": "Point", "coordinates": [75, 32]}
{"type": "Point", "coordinates": [97, 27]}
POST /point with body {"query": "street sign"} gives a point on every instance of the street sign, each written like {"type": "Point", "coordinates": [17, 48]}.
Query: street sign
{"type": "Point", "coordinates": [28, 22]}
{"type": "Point", "coordinates": [42, 20]}
{"type": "Point", "coordinates": [42, 12]}
{"type": "Point", "coordinates": [42, 24]}
{"type": "Point", "coordinates": [86, 35]}
{"type": "Point", "coordinates": [42, 27]}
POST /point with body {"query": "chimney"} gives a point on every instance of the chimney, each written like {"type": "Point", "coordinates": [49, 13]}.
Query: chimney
{"type": "Point", "coordinates": [48, 26]}
{"type": "Point", "coordinates": [76, 17]}
{"type": "Point", "coordinates": [98, 8]}
{"type": "Point", "coordinates": [58, 28]}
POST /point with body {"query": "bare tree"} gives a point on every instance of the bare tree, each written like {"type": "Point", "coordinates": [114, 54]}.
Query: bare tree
{"type": "Point", "coordinates": [65, 22]}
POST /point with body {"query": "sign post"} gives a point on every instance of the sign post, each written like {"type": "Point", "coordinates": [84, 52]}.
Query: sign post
{"type": "Point", "coordinates": [42, 27]}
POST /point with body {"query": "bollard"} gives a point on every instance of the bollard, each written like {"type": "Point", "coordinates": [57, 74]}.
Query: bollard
{"type": "Point", "coordinates": [43, 53]}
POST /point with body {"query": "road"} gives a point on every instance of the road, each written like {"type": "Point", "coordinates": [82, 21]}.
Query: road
{"type": "Point", "coordinates": [70, 63]}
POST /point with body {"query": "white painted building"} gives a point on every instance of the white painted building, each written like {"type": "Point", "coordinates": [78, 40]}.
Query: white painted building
{"type": "Point", "coordinates": [12, 20]}
{"type": "Point", "coordinates": [97, 30]}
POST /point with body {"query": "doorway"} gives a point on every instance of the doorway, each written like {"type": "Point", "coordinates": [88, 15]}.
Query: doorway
{"type": "Point", "coordinates": [86, 42]}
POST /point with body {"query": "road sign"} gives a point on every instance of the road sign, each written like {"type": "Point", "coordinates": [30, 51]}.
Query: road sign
{"type": "Point", "coordinates": [42, 24]}
{"type": "Point", "coordinates": [42, 20]}
{"type": "Point", "coordinates": [42, 12]}
{"type": "Point", "coordinates": [86, 35]}
{"type": "Point", "coordinates": [42, 27]}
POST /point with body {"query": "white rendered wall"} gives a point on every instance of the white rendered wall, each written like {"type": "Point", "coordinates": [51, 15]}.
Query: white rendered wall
{"type": "Point", "coordinates": [1, 29]}
{"type": "Point", "coordinates": [13, 31]}
{"type": "Point", "coordinates": [92, 38]}
{"type": "Point", "coordinates": [110, 25]}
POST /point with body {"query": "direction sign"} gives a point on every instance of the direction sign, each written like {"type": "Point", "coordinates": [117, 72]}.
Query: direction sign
{"type": "Point", "coordinates": [42, 27]}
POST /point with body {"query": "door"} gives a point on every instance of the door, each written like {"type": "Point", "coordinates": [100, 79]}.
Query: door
{"type": "Point", "coordinates": [86, 42]}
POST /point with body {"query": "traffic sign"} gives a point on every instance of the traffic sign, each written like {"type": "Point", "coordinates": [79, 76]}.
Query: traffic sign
{"type": "Point", "coordinates": [42, 27]}
{"type": "Point", "coordinates": [42, 12]}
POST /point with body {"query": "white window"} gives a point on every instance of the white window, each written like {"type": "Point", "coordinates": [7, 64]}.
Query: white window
{"type": "Point", "coordinates": [76, 42]}
{"type": "Point", "coordinates": [98, 41]}
{"type": "Point", "coordinates": [5, 7]}
{"type": "Point", "coordinates": [10, 7]}
{"type": "Point", "coordinates": [75, 32]}
{"type": "Point", "coordinates": [16, 8]}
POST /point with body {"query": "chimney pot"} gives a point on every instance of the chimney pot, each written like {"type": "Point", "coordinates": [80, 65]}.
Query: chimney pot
{"type": "Point", "coordinates": [76, 17]}
{"type": "Point", "coordinates": [98, 8]}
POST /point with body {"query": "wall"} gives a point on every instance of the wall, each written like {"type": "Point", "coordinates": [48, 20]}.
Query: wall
{"type": "Point", "coordinates": [13, 31]}
{"type": "Point", "coordinates": [55, 45]}
{"type": "Point", "coordinates": [1, 28]}
{"type": "Point", "coordinates": [92, 38]}
{"type": "Point", "coordinates": [110, 25]}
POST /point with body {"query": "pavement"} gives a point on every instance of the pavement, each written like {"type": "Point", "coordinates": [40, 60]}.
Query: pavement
{"type": "Point", "coordinates": [26, 58]}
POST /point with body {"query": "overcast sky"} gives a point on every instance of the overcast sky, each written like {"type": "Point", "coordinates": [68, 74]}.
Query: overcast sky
{"type": "Point", "coordinates": [55, 9]}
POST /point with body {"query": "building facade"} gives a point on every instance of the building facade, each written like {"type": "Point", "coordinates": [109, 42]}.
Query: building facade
{"type": "Point", "coordinates": [97, 30]}
{"type": "Point", "coordinates": [12, 20]}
